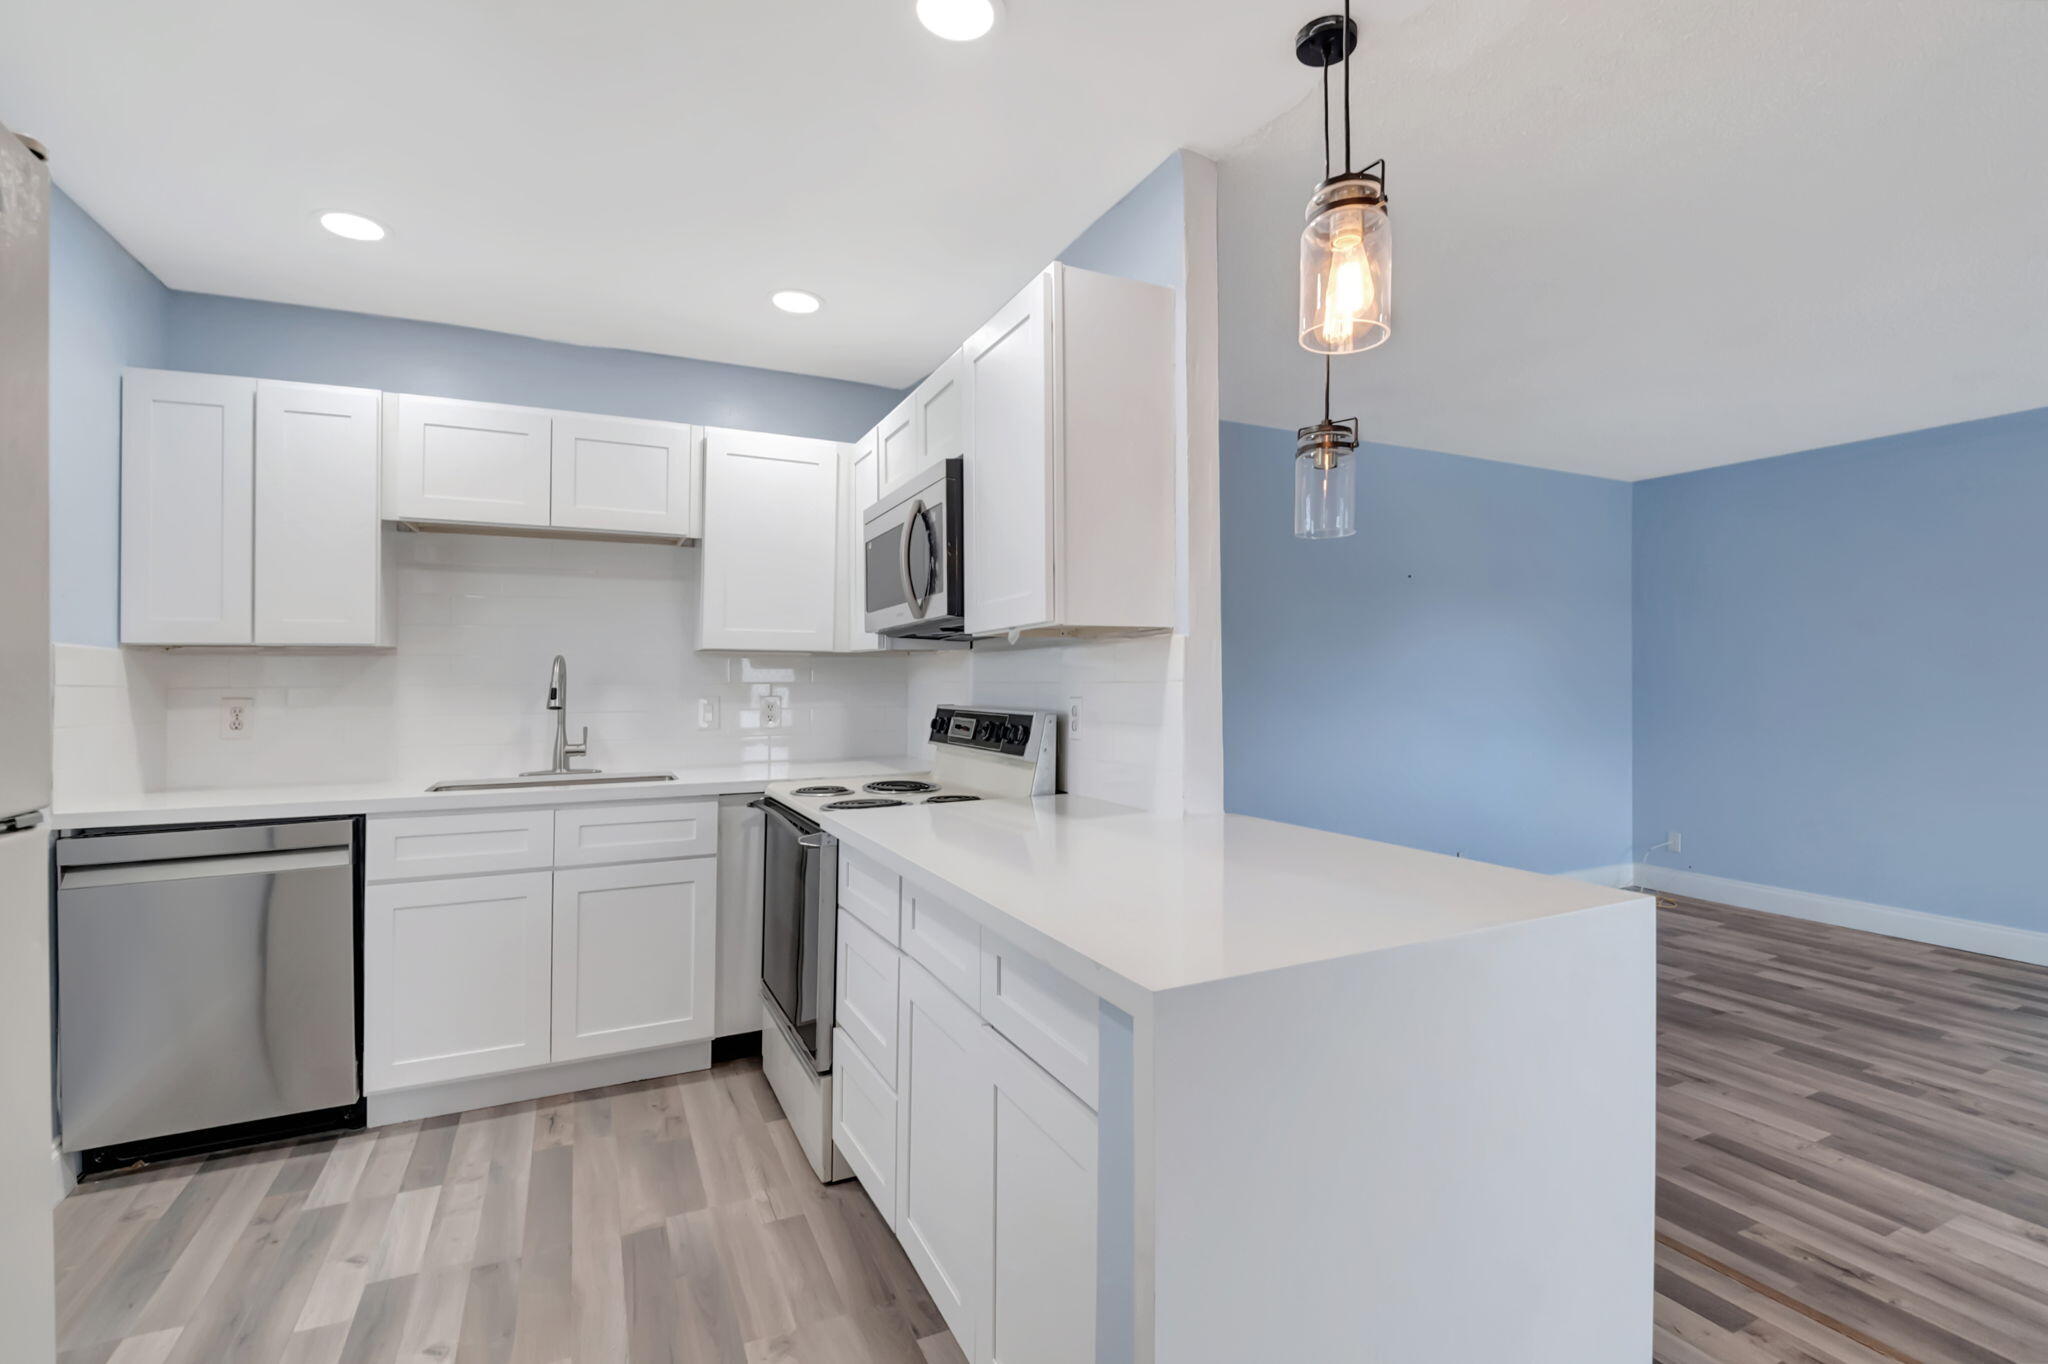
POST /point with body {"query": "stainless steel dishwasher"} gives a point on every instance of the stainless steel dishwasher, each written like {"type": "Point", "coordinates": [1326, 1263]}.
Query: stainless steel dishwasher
{"type": "Point", "coordinates": [208, 987]}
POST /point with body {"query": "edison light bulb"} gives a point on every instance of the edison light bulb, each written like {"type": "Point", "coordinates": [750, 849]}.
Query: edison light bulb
{"type": "Point", "coordinates": [1344, 260]}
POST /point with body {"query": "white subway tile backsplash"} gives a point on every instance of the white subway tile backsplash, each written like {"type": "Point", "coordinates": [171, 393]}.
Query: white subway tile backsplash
{"type": "Point", "coordinates": [461, 696]}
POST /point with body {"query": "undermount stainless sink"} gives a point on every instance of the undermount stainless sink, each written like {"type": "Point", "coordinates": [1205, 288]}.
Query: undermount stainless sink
{"type": "Point", "coordinates": [549, 779]}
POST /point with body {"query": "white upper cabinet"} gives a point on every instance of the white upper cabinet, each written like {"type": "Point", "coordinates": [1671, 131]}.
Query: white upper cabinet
{"type": "Point", "coordinates": [862, 488]}
{"type": "Point", "coordinates": [1010, 487]}
{"type": "Point", "coordinates": [771, 542]}
{"type": "Point", "coordinates": [187, 488]}
{"type": "Point", "coordinates": [897, 443]}
{"type": "Point", "coordinates": [1070, 480]}
{"type": "Point", "coordinates": [484, 463]}
{"type": "Point", "coordinates": [941, 405]}
{"type": "Point", "coordinates": [619, 474]}
{"type": "Point", "coordinates": [318, 560]}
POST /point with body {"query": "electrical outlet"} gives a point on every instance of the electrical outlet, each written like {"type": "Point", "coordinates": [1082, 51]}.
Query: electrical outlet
{"type": "Point", "coordinates": [773, 712]}
{"type": "Point", "coordinates": [1675, 842]}
{"type": "Point", "coordinates": [237, 716]}
{"type": "Point", "coordinates": [707, 712]}
{"type": "Point", "coordinates": [1073, 717]}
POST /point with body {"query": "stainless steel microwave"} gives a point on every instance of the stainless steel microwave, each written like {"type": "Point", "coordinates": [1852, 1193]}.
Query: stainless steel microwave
{"type": "Point", "coordinates": [915, 567]}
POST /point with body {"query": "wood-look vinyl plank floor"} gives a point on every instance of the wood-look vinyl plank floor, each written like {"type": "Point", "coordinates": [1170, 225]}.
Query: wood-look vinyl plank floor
{"type": "Point", "coordinates": [1852, 1147]}
{"type": "Point", "coordinates": [669, 1222]}
{"type": "Point", "coordinates": [1852, 1160]}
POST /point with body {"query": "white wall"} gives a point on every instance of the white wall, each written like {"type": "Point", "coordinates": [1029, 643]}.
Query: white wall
{"type": "Point", "coordinates": [462, 695]}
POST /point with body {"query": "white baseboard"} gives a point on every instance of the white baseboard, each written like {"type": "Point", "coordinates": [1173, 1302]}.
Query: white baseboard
{"type": "Point", "coordinates": [1941, 930]}
{"type": "Point", "coordinates": [541, 1082]}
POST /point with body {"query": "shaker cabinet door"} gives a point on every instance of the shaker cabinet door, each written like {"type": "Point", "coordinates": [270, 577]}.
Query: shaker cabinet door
{"type": "Point", "coordinates": [619, 474]}
{"type": "Point", "coordinates": [771, 542]}
{"type": "Point", "coordinates": [943, 1149]}
{"type": "Point", "coordinates": [635, 953]}
{"type": "Point", "coordinates": [1010, 486]}
{"type": "Point", "coordinates": [483, 463]}
{"type": "Point", "coordinates": [455, 978]}
{"type": "Point", "coordinates": [187, 507]}
{"type": "Point", "coordinates": [319, 542]}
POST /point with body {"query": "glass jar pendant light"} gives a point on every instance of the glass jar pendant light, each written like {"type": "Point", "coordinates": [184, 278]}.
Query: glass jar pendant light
{"type": "Point", "coordinates": [1326, 475]}
{"type": "Point", "coordinates": [1346, 246]}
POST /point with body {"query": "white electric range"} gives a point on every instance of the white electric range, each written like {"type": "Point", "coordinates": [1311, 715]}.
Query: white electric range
{"type": "Point", "coordinates": [977, 755]}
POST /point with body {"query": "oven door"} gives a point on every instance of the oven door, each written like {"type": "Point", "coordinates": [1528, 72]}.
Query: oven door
{"type": "Point", "coordinates": [799, 921]}
{"type": "Point", "coordinates": [912, 561]}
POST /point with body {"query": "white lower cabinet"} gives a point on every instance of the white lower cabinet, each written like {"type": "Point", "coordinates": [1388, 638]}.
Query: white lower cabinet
{"type": "Point", "coordinates": [943, 1139]}
{"type": "Point", "coordinates": [1040, 1303]}
{"type": "Point", "coordinates": [455, 978]}
{"type": "Point", "coordinates": [635, 953]}
{"type": "Point", "coordinates": [473, 969]}
{"type": "Point", "coordinates": [960, 1115]}
{"type": "Point", "coordinates": [864, 1116]}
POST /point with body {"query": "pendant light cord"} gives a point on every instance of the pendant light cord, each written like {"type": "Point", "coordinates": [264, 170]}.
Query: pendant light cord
{"type": "Point", "coordinates": [1326, 120]}
{"type": "Point", "coordinates": [1346, 43]}
{"type": "Point", "coordinates": [1326, 388]}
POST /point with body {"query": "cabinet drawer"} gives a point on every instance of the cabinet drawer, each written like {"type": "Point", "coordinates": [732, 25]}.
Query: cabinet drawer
{"type": "Point", "coordinates": [864, 1123]}
{"type": "Point", "coordinates": [403, 847]}
{"type": "Point", "coordinates": [947, 942]}
{"type": "Point", "coordinates": [869, 970]}
{"type": "Point", "coordinates": [870, 894]}
{"type": "Point", "coordinates": [1048, 1017]}
{"type": "Point", "coordinates": [643, 831]}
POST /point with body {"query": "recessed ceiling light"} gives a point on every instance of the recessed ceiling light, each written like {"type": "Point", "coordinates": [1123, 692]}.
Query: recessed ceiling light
{"type": "Point", "coordinates": [959, 21]}
{"type": "Point", "coordinates": [796, 301]}
{"type": "Point", "coordinates": [354, 226]}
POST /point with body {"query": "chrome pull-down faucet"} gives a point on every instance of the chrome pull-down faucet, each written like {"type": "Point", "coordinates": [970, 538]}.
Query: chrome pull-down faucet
{"type": "Point", "coordinates": [558, 702]}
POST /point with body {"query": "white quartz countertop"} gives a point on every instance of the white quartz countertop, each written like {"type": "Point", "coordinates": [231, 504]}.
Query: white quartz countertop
{"type": "Point", "coordinates": [1135, 905]}
{"type": "Point", "coordinates": [294, 802]}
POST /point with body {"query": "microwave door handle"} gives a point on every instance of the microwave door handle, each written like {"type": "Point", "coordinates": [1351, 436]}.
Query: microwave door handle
{"type": "Point", "coordinates": [911, 598]}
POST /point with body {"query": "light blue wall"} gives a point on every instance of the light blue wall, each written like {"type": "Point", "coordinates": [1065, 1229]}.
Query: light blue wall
{"type": "Point", "coordinates": [316, 345]}
{"type": "Point", "coordinates": [1143, 235]}
{"type": "Point", "coordinates": [1454, 677]}
{"type": "Point", "coordinates": [106, 312]}
{"type": "Point", "coordinates": [1842, 669]}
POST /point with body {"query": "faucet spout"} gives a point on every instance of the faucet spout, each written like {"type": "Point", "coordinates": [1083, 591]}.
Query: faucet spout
{"type": "Point", "coordinates": [558, 702]}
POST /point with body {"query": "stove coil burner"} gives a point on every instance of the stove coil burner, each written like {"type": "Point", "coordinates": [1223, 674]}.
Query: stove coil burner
{"type": "Point", "coordinates": [823, 791]}
{"type": "Point", "coordinates": [863, 804]}
{"type": "Point", "coordinates": [902, 786]}
{"type": "Point", "coordinates": [948, 800]}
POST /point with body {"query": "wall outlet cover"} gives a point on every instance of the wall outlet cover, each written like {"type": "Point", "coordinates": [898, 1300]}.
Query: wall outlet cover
{"type": "Point", "coordinates": [237, 716]}
{"type": "Point", "coordinates": [707, 712]}
{"type": "Point", "coordinates": [774, 711]}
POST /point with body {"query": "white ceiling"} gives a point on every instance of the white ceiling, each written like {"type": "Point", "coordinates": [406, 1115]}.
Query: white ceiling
{"type": "Point", "coordinates": [1633, 237]}
{"type": "Point", "coordinates": [635, 173]}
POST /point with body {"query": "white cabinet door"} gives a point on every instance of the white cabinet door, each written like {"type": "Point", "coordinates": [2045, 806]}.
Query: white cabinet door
{"type": "Point", "coordinates": [455, 978]}
{"type": "Point", "coordinates": [870, 975]}
{"type": "Point", "coordinates": [1040, 1306]}
{"type": "Point", "coordinates": [863, 486]}
{"type": "Point", "coordinates": [636, 952]}
{"type": "Point", "coordinates": [941, 403]}
{"type": "Point", "coordinates": [896, 442]}
{"type": "Point", "coordinates": [187, 507]}
{"type": "Point", "coordinates": [618, 474]}
{"type": "Point", "coordinates": [447, 460]}
{"type": "Point", "coordinates": [771, 542]}
{"type": "Point", "coordinates": [1010, 489]}
{"type": "Point", "coordinates": [319, 554]}
{"type": "Point", "coordinates": [864, 1110]}
{"type": "Point", "coordinates": [943, 1150]}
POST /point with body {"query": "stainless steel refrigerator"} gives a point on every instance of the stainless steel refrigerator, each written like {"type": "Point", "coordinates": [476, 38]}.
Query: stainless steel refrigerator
{"type": "Point", "coordinates": [28, 1182]}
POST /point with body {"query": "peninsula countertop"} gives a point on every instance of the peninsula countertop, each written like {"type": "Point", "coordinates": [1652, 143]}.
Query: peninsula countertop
{"type": "Point", "coordinates": [1135, 905]}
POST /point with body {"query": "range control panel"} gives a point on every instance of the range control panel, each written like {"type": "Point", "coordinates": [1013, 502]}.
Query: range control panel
{"type": "Point", "coordinates": [994, 731]}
